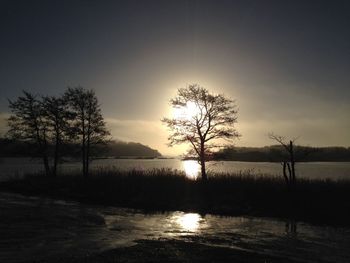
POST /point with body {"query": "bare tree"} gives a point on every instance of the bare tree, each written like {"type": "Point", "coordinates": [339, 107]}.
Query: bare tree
{"type": "Point", "coordinates": [89, 126]}
{"type": "Point", "coordinates": [290, 163]}
{"type": "Point", "coordinates": [57, 117]}
{"type": "Point", "coordinates": [27, 123]}
{"type": "Point", "coordinates": [206, 119]}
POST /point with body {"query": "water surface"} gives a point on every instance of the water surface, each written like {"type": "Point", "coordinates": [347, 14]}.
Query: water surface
{"type": "Point", "coordinates": [10, 167]}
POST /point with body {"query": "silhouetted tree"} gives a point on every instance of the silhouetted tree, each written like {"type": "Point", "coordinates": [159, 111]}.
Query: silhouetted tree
{"type": "Point", "coordinates": [57, 117]}
{"type": "Point", "coordinates": [88, 126]}
{"type": "Point", "coordinates": [27, 123]}
{"type": "Point", "coordinates": [206, 118]}
{"type": "Point", "coordinates": [290, 163]}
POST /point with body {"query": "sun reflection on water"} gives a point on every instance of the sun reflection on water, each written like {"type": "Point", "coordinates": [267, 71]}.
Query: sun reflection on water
{"type": "Point", "coordinates": [189, 222]}
{"type": "Point", "coordinates": [191, 168]}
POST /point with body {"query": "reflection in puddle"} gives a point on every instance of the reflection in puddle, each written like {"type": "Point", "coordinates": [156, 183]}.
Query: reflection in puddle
{"type": "Point", "coordinates": [191, 168]}
{"type": "Point", "coordinates": [188, 222]}
{"type": "Point", "coordinates": [291, 227]}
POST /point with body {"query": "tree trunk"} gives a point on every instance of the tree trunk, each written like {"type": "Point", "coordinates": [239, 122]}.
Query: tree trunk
{"type": "Point", "coordinates": [292, 161]}
{"type": "Point", "coordinates": [46, 164]}
{"type": "Point", "coordinates": [285, 173]}
{"type": "Point", "coordinates": [290, 174]}
{"type": "Point", "coordinates": [203, 171]}
{"type": "Point", "coordinates": [55, 161]}
{"type": "Point", "coordinates": [45, 157]}
{"type": "Point", "coordinates": [43, 149]}
{"type": "Point", "coordinates": [202, 161]}
{"type": "Point", "coordinates": [88, 135]}
{"type": "Point", "coordinates": [87, 160]}
{"type": "Point", "coordinates": [83, 143]}
{"type": "Point", "coordinates": [83, 156]}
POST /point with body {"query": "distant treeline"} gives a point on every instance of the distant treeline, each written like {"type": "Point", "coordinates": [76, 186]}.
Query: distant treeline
{"type": "Point", "coordinates": [276, 153]}
{"type": "Point", "coordinates": [14, 148]}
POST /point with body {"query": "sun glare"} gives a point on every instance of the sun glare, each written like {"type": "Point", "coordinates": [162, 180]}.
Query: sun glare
{"type": "Point", "coordinates": [191, 168]}
{"type": "Point", "coordinates": [189, 222]}
{"type": "Point", "coordinates": [187, 112]}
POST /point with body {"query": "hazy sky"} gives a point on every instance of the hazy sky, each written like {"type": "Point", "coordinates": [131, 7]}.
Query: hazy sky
{"type": "Point", "coordinates": [287, 63]}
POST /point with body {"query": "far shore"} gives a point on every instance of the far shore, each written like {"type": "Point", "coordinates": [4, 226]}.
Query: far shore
{"type": "Point", "coordinates": [75, 159]}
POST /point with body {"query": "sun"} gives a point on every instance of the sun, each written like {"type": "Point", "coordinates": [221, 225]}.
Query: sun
{"type": "Point", "coordinates": [187, 112]}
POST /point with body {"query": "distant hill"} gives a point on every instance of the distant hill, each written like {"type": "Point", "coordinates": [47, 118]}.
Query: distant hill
{"type": "Point", "coordinates": [119, 149]}
{"type": "Point", "coordinates": [129, 149]}
{"type": "Point", "coordinates": [276, 153]}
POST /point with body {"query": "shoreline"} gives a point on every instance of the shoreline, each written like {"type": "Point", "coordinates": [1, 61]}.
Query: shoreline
{"type": "Point", "coordinates": [316, 202]}
{"type": "Point", "coordinates": [92, 231]}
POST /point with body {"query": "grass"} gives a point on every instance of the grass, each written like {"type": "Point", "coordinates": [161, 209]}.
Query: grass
{"type": "Point", "coordinates": [323, 202]}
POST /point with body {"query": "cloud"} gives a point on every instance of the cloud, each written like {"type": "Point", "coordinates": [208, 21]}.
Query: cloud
{"type": "Point", "coordinates": [313, 132]}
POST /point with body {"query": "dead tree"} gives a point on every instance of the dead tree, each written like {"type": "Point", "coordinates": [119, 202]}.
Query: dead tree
{"type": "Point", "coordinates": [288, 165]}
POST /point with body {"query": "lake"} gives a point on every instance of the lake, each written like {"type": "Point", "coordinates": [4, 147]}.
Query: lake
{"type": "Point", "coordinates": [10, 167]}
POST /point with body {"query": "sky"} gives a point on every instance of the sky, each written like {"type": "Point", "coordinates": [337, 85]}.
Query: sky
{"type": "Point", "coordinates": [286, 63]}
